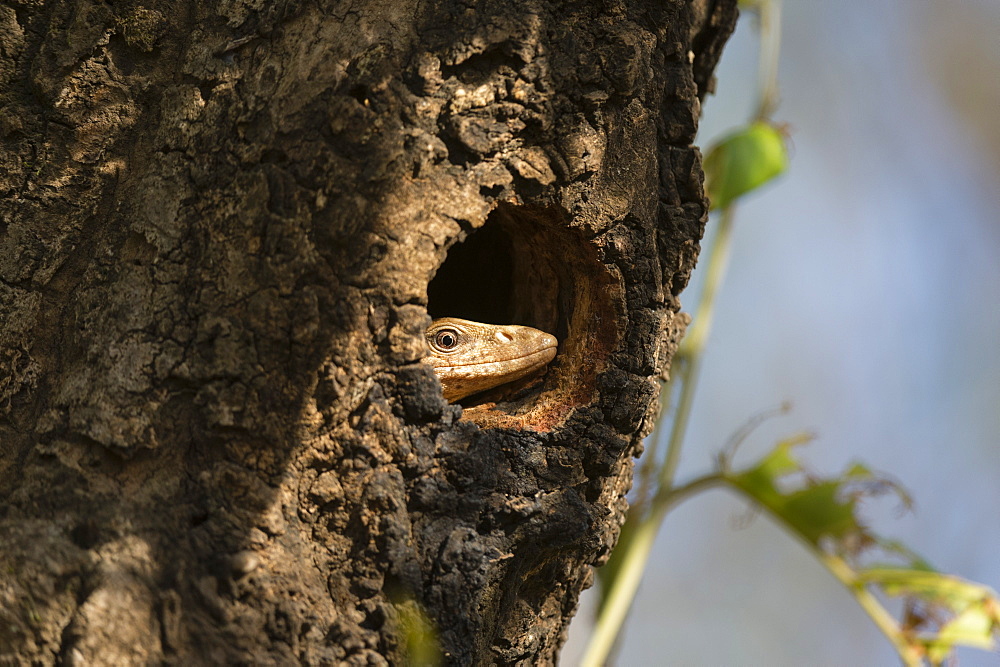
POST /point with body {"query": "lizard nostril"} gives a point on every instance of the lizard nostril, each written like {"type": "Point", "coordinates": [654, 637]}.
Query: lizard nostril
{"type": "Point", "coordinates": [503, 337]}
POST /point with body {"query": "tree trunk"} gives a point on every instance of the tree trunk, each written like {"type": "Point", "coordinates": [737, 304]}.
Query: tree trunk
{"type": "Point", "coordinates": [222, 229]}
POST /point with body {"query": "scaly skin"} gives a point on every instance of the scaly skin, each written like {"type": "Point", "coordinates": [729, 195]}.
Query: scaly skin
{"type": "Point", "coordinates": [470, 357]}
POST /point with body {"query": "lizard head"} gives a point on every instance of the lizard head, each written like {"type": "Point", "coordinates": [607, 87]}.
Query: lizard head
{"type": "Point", "coordinates": [469, 357]}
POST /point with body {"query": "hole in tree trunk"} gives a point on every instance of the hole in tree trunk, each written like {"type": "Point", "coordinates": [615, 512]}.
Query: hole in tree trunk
{"type": "Point", "coordinates": [476, 281]}
{"type": "Point", "coordinates": [526, 266]}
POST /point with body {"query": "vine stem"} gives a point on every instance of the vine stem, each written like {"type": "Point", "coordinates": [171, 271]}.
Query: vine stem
{"type": "Point", "coordinates": [691, 349]}
{"type": "Point", "coordinates": [619, 600]}
{"type": "Point", "coordinates": [843, 572]}
{"type": "Point", "coordinates": [769, 12]}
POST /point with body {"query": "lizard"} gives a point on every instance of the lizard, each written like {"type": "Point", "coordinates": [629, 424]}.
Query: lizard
{"type": "Point", "coordinates": [469, 357]}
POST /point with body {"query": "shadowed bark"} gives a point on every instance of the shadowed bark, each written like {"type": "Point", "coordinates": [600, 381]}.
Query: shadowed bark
{"type": "Point", "coordinates": [223, 229]}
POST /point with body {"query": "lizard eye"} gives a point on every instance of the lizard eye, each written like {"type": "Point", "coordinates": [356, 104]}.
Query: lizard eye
{"type": "Point", "coordinates": [446, 339]}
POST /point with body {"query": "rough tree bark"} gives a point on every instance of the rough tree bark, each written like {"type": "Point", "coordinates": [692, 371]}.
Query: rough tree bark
{"type": "Point", "coordinates": [222, 228]}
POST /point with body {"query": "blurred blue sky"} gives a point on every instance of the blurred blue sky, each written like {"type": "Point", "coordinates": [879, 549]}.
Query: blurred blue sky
{"type": "Point", "coordinates": [865, 289]}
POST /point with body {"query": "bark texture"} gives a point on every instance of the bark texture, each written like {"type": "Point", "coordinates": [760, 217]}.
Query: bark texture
{"type": "Point", "coordinates": [223, 227]}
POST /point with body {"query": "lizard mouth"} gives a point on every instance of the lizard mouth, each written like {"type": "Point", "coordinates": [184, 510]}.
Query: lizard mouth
{"type": "Point", "coordinates": [538, 357]}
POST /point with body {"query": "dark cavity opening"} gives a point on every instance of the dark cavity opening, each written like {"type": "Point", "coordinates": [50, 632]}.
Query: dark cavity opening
{"type": "Point", "coordinates": [476, 281]}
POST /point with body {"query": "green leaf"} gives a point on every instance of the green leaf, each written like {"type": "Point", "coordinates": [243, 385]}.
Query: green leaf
{"type": "Point", "coordinates": [947, 611]}
{"type": "Point", "coordinates": [814, 510]}
{"type": "Point", "coordinates": [858, 470]}
{"type": "Point", "coordinates": [744, 161]}
{"type": "Point", "coordinates": [933, 587]}
{"type": "Point", "coordinates": [418, 635]}
{"type": "Point", "coordinates": [973, 608]}
{"type": "Point", "coordinates": [975, 627]}
{"type": "Point", "coordinates": [780, 461]}
{"type": "Point", "coordinates": [970, 628]}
